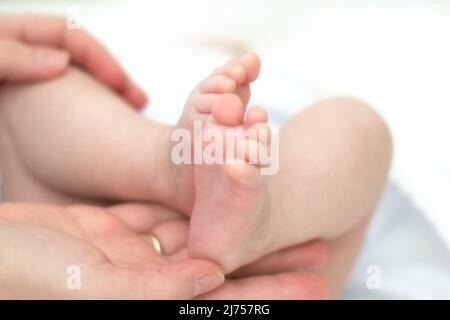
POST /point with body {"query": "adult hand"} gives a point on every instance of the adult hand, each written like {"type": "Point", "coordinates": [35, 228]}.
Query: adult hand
{"type": "Point", "coordinates": [34, 47]}
{"type": "Point", "coordinates": [38, 243]}
{"type": "Point", "coordinates": [275, 276]}
{"type": "Point", "coordinates": [116, 259]}
{"type": "Point", "coordinates": [278, 276]}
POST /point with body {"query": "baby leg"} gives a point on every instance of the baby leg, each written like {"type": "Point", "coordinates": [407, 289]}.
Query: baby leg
{"type": "Point", "coordinates": [334, 160]}
{"type": "Point", "coordinates": [73, 137]}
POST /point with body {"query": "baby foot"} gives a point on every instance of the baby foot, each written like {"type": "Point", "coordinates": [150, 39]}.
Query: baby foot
{"type": "Point", "coordinates": [230, 207]}
{"type": "Point", "coordinates": [228, 86]}
{"type": "Point", "coordinates": [231, 210]}
{"type": "Point", "coordinates": [224, 94]}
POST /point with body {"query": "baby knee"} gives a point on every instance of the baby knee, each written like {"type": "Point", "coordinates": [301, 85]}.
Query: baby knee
{"type": "Point", "coordinates": [361, 119]}
{"type": "Point", "coordinates": [365, 125]}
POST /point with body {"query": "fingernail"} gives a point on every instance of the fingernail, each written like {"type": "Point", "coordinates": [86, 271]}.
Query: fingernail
{"type": "Point", "coordinates": [208, 282]}
{"type": "Point", "coordinates": [48, 59]}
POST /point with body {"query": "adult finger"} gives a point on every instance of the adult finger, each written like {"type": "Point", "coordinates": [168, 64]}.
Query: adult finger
{"type": "Point", "coordinates": [185, 280]}
{"type": "Point", "coordinates": [286, 286]}
{"type": "Point", "coordinates": [170, 228]}
{"type": "Point", "coordinates": [143, 217]}
{"type": "Point", "coordinates": [173, 236]}
{"type": "Point", "coordinates": [84, 50]}
{"type": "Point", "coordinates": [21, 62]}
{"type": "Point", "coordinates": [306, 255]}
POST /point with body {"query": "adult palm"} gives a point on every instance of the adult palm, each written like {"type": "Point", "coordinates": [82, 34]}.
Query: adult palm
{"type": "Point", "coordinates": [41, 243]}
{"type": "Point", "coordinates": [110, 248]}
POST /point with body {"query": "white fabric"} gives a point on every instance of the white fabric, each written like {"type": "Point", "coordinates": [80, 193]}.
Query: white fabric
{"type": "Point", "coordinates": [412, 259]}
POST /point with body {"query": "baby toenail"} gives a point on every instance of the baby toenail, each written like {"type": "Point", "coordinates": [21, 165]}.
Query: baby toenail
{"type": "Point", "coordinates": [238, 70]}
{"type": "Point", "coordinates": [229, 84]}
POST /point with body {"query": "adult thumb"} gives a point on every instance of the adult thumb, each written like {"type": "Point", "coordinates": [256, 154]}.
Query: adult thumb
{"type": "Point", "coordinates": [190, 278]}
{"type": "Point", "coordinates": [21, 62]}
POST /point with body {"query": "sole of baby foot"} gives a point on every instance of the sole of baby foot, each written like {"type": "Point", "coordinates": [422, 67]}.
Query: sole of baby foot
{"type": "Point", "coordinates": [223, 95]}
{"type": "Point", "coordinates": [231, 212]}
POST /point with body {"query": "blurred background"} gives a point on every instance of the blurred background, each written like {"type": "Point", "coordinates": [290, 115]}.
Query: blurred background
{"type": "Point", "coordinates": [392, 54]}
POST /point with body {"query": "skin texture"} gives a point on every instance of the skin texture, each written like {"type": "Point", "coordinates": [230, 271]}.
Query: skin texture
{"type": "Point", "coordinates": [266, 276]}
{"type": "Point", "coordinates": [334, 157]}
{"type": "Point", "coordinates": [36, 47]}
{"type": "Point", "coordinates": [329, 196]}
{"type": "Point", "coordinates": [39, 48]}
{"type": "Point", "coordinates": [117, 261]}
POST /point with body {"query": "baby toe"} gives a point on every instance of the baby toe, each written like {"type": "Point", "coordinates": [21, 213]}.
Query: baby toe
{"type": "Point", "coordinates": [228, 110]}
{"type": "Point", "coordinates": [217, 84]}
{"type": "Point", "coordinates": [256, 115]}
{"type": "Point", "coordinates": [260, 132]}
{"type": "Point", "coordinates": [244, 174]}
{"type": "Point", "coordinates": [242, 70]}
{"type": "Point", "coordinates": [252, 64]}
{"type": "Point", "coordinates": [234, 71]}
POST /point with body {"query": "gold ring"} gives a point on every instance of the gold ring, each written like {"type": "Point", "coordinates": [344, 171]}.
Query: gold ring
{"type": "Point", "coordinates": [155, 242]}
